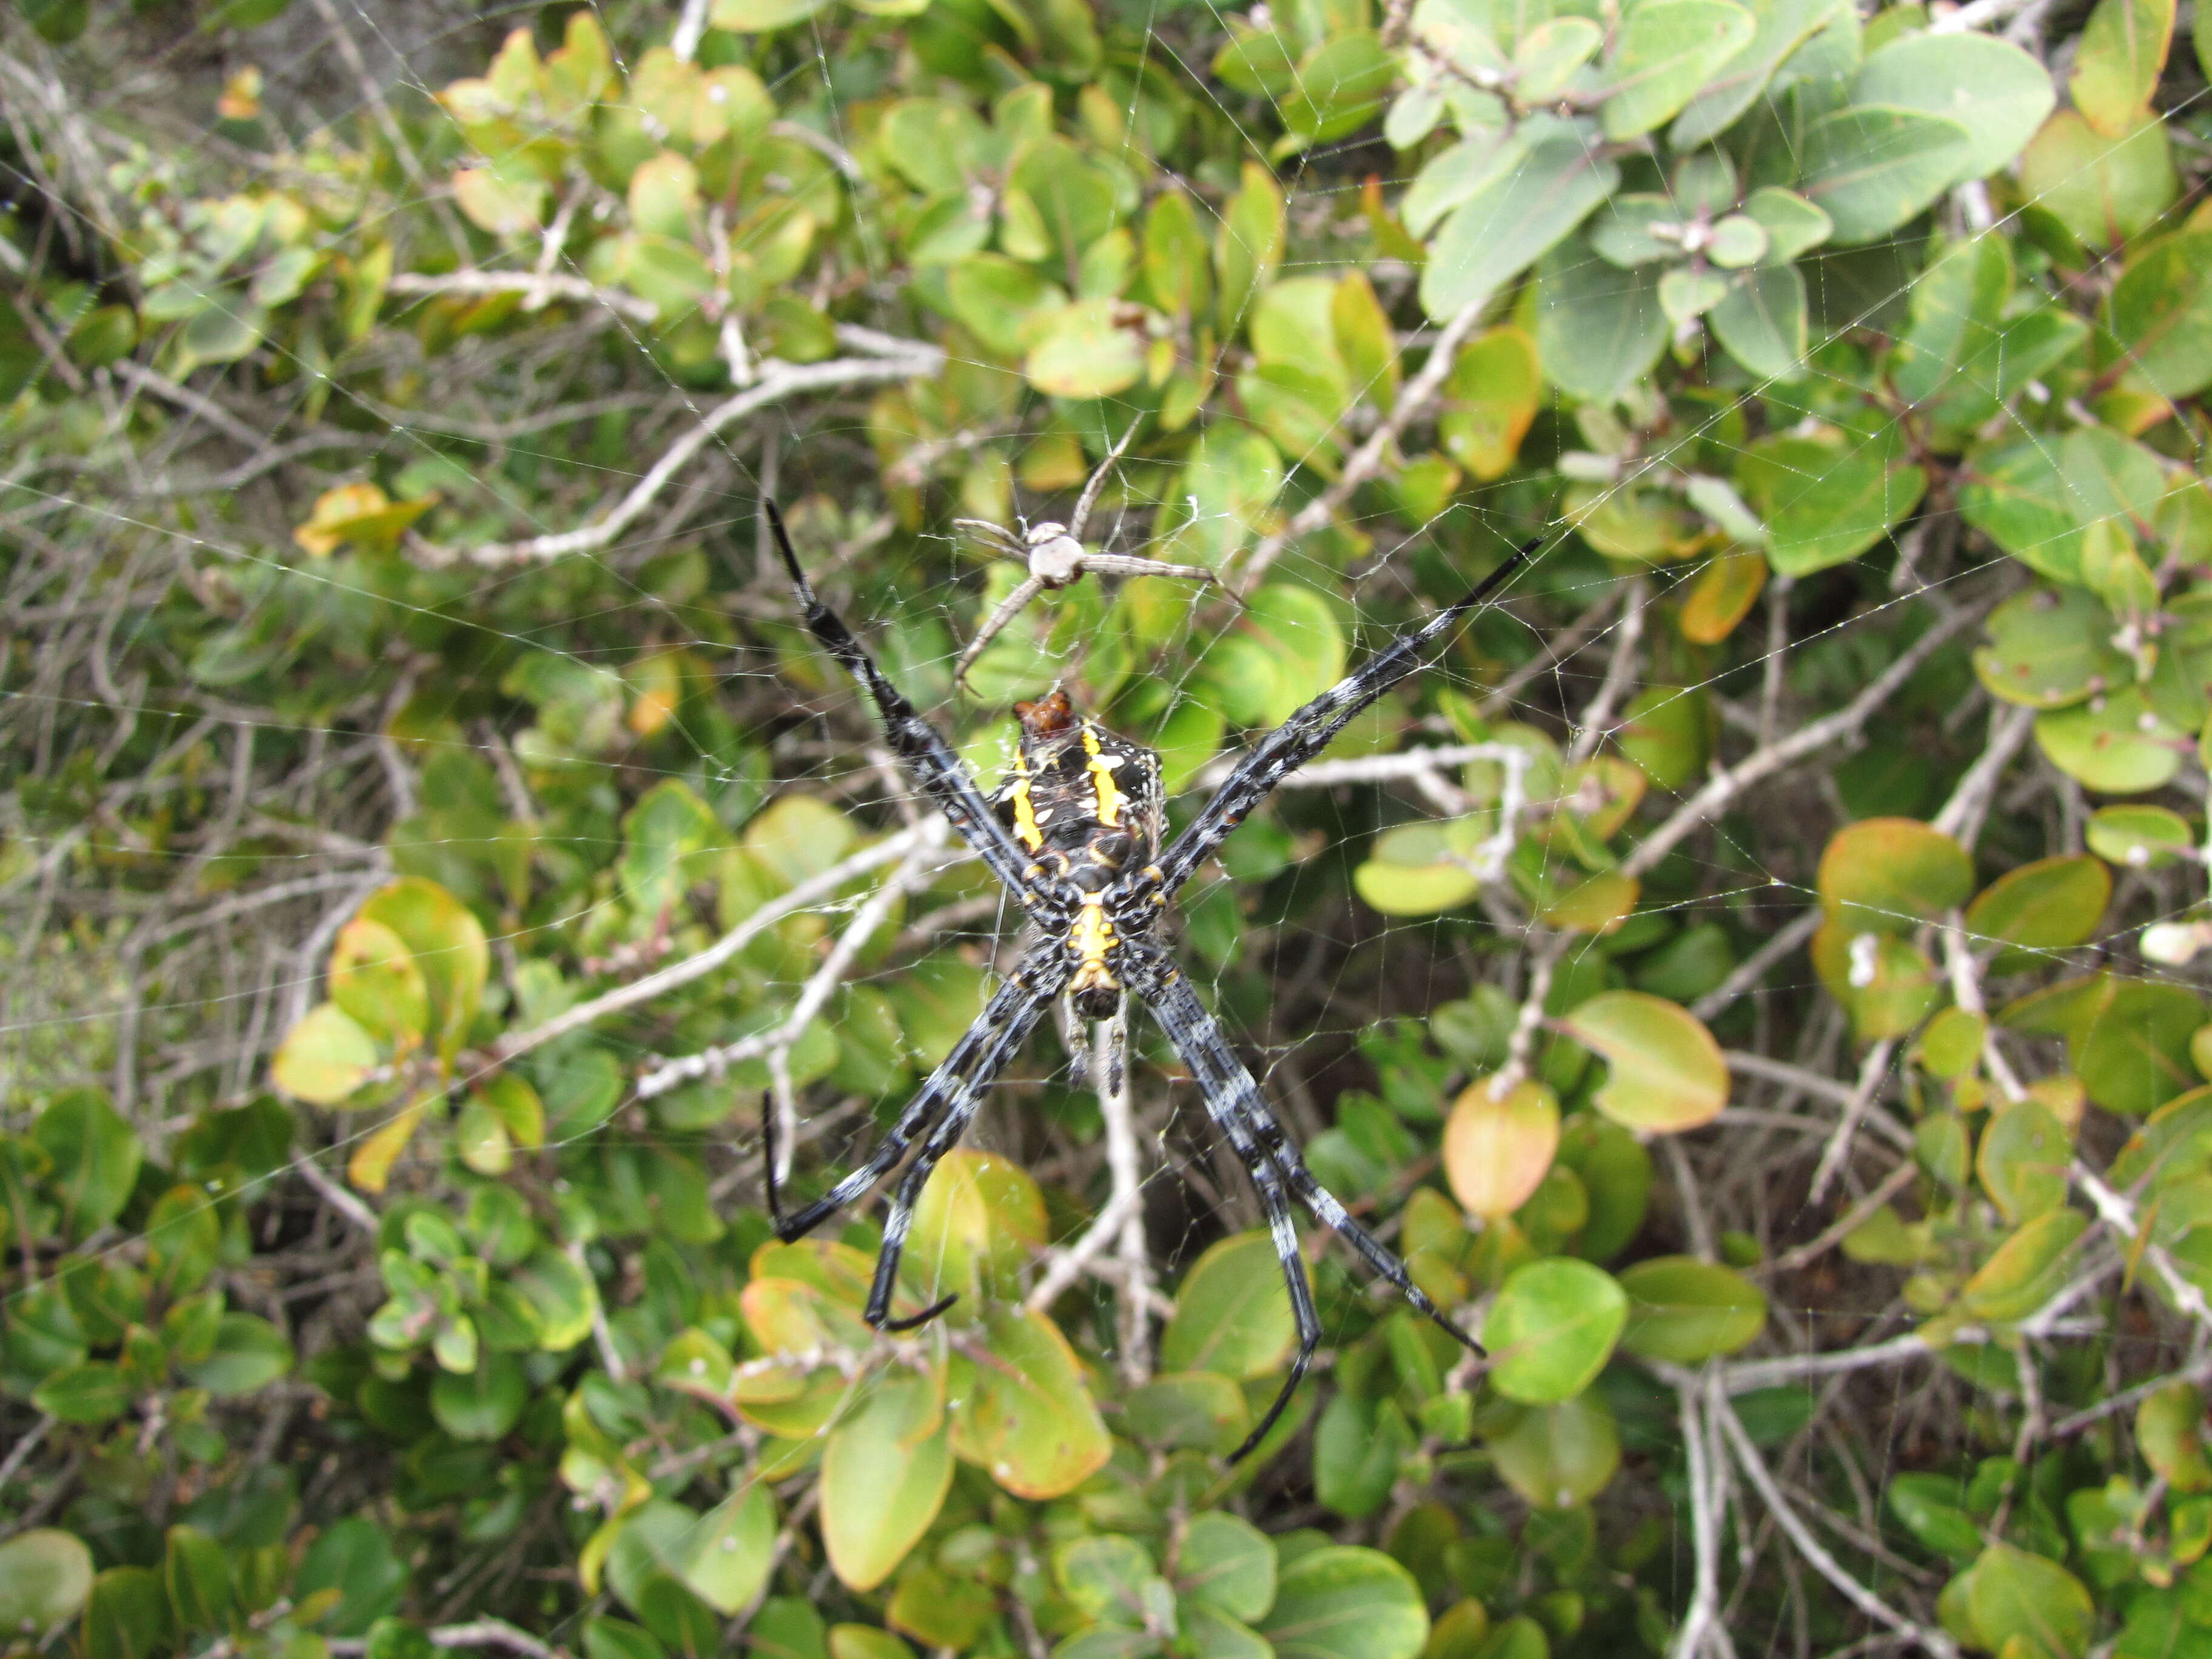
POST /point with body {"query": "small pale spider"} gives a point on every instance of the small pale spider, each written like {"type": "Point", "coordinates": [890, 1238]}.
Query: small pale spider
{"type": "Point", "coordinates": [1056, 556]}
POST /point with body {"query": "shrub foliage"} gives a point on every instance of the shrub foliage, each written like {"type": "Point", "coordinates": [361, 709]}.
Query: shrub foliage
{"type": "Point", "coordinates": [1751, 980]}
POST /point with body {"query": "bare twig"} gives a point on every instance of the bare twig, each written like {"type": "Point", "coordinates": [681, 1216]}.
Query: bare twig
{"type": "Point", "coordinates": [923, 858]}
{"type": "Point", "coordinates": [1727, 784]}
{"type": "Point", "coordinates": [813, 890]}
{"type": "Point", "coordinates": [777, 381]}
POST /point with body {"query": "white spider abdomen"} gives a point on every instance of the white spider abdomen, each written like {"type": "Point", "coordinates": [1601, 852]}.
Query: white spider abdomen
{"type": "Point", "coordinates": [1056, 562]}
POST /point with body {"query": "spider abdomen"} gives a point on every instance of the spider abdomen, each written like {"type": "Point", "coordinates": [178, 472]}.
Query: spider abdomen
{"type": "Point", "coordinates": [1087, 804]}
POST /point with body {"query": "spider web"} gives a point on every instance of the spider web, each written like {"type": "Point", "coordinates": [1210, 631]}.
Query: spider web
{"type": "Point", "coordinates": [1312, 984]}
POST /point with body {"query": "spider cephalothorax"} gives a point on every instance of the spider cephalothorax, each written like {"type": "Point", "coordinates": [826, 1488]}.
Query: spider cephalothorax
{"type": "Point", "coordinates": [1074, 834]}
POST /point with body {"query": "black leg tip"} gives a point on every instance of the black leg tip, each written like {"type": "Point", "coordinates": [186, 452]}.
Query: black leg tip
{"type": "Point", "coordinates": [783, 546]}
{"type": "Point", "coordinates": [915, 1321]}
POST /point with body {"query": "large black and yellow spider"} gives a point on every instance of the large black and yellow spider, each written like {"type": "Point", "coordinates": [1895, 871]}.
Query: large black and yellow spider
{"type": "Point", "coordinates": [1074, 833]}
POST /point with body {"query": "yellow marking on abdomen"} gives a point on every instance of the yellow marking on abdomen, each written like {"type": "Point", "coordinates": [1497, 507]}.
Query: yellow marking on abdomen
{"type": "Point", "coordinates": [1101, 779]}
{"type": "Point", "coordinates": [1090, 938]}
{"type": "Point", "coordinates": [1025, 823]}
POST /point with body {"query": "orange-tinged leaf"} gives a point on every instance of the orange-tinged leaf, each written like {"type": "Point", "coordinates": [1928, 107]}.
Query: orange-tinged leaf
{"type": "Point", "coordinates": [1889, 875]}
{"type": "Point", "coordinates": [1723, 596]}
{"type": "Point", "coordinates": [1497, 1150]}
{"type": "Point", "coordinates": [1028, 1419]}
{"type": "Point", "coordinates": [370, 1167]}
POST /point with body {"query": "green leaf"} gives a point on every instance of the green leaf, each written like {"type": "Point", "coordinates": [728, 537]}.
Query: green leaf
{"type": "Point", "coordinates": [884, 1473]}
{"type": "Point", "coordinates": [355, 1558]}
{"type": "Point", "coordinates": [1359, 1447]}
{"type": "Point", "coordinates": [1687, 1311]}
{"type": "Point", "coordinates": [482, 1404]}
{"type": "Point", "coordinates": [1824, 503]}
{"type": "Point", "coordinates": [1028, 1420]}
{"type": "Point", "coordinates": [1793, 225]}
{"type": "Point", "coordinates": [449, 948]}
{"type": "Point", "coordinates": [2140, 837]}
{"type": "Point", "coordinates": [1106, 1577]}
{"type": "Point", "coordinates": [1082, 350]}
{"type": "Point", "coordinates": [1871, 168]}
{"type": "Point", "coordinates": [2025, 1271]}
{"type": "Point", "coordinates": [1232, 1312]}
{"type": "Point", "coordinates": [2170, 1432]}
{"type": "Point", "coordinates": [666, 839]}
{"type": "Point", "coordinates": [2022, 1161]}
{"type": "Point", "coordinates": [127, 1615]}
{"type": "Point", "coordinates": [2016, 496]}
{"type": "Point", "coordinates": [2104, 190]}
{"type": "Point", "coordinates": [1200, 1409]}
{"type": "Point", "coordinates": [1511, 222]}
{"type": "Point", "coordinates": [1346, 1603]}
{"type": "Point", "coordinates": [325, 1058]}
{"type": "Point", "coordinates": [374, 979]}
{"type": "Point", "coordinates": [998, 298]}
{"type": "Point", "coordinates": [1555, 1456]}
{"type": "Point", "coordinates": [2014, 1597]}
{"type": "Point", "coordinates": [1891, 875]}
{"type": "Point", "coordinates": [562, 1294]}
{"type": "Point", "coordinates": [1761, 321]}
{"type": "Point", "coordinates": [2159, 313]}
{"type": "Point", "coordinates": [1991, 88]}
{"type": "Point", "coordinates": [1552, 1329]}
{"type": "Point", "coordinates": [2118, 61]}
{"type": "Point", "coordinates": [2129, 1043]}
{"type": "Point", "coordinates": [45, 1574]}
{"type": "Point", "coordinates": [1341, 85]}
{"type": "Point", "coordinates": [1599, 328]}
{"type": "Point", "coordinates": [1227, 1563]}
{"type": "Point", "coordinates": [503, 206]}
{"type": "Point", "coordinates": [2049, 648]}
{"type": "Point", "coordinates": [1783, 26]}
{"type": "Point", "coordinates": [1549, 55]}
{"type": "Point", "coordinates": [664, 197]}
{"type": "Point", "coordinates": [195, 1570]}
{"type": "Point", "coordinates": [182, 1235]}
{"type": "Point", "coordinates": [2051, 904]}
{"type": "Point", "coordinates": [1929, 1506]}
{"type": "Point", "coordinates": [1667, 1073]}
{"type": "Point", "coordinates": [2116, 745]}
{"type": "Point", "coordinates": [1665, 51]}
{"type": "Point", "coordinates": [248, 1353]}
{"type": "Point", "coordinates": [734, 1549]}
{"type": "Point", "coordinates": [979, 1220]}
{"type": "Point", "coordinates": [95, 1156]}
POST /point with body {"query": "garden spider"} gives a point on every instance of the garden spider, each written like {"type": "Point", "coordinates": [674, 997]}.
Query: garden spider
{"type": "Point", "coordinates": [1074, 834]}
{"type": "Point", "coordinates": [1056, 557]}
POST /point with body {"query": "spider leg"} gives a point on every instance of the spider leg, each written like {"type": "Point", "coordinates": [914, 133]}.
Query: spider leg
{"type": "Point", "coordinates": [1127, 564]}
{"type": "Point", "coordinates": [1234, 1101]}
{"type": "Point", "coordinates": [1077, 1040]}
{"type": "Point", "coordinates": [1000, 538]}
{"type": "Point", "coordinates": [929, 759]}
{"type": "Point", "coordinates": [958, 1115]}
{"type": "Point", "coordinates": [962, 1076]}
{"type": "Point", "coordinates": [1009, 608]}
{"type": "Point", "coordinates": [1089, 499]}
{"type": "Point", "coordinates": [1307, 732]}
